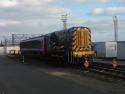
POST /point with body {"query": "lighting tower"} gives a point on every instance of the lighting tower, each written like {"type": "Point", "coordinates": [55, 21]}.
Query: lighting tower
{"type": "Point", "coordinates": [115, 19]}
{"type": "Point", "coordinates": [64, 20]}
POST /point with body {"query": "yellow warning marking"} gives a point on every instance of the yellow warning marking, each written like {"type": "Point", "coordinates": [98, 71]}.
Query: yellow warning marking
{"type": "Point", "coordinates": [74, 37]}
{"type": "Point", "coordinates": [74, 43]}
{"type": "Point", "coordinates": [81, 49]}
{"type": "Point", "coordinates": [74, 48]}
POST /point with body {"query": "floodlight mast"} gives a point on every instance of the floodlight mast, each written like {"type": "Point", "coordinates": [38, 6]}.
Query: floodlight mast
{"type": "Point", "coordinates": [64, 20]}
{"type": "Point", "coordinates": [115, 19]}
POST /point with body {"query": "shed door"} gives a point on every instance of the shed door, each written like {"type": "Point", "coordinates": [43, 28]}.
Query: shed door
{"type": "Point", "coordinates": [111, 50]}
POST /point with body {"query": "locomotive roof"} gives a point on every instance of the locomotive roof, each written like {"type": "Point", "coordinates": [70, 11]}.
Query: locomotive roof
{"type": "Point", "coordinates": [35, 38]}
{"type": "Point", "coordinates": [67, 29]}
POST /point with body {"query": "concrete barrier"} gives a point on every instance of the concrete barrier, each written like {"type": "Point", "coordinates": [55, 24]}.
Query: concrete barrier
{"type": "Point", "coordinates": [12, 49]}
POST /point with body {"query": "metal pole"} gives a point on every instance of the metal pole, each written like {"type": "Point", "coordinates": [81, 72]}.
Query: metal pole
{"type": "Point", "coordinates": [5, 46]}
{"type": "Point", "coordinates": [115, 19]}
{"type": "Point", "coordinates": [13, 40]}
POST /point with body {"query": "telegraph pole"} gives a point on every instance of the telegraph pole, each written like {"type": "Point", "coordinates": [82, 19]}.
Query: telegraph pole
{"type": "Point", "coordinates": [64, 20]}
{"type": "Point", "coordinates": [115, 19]}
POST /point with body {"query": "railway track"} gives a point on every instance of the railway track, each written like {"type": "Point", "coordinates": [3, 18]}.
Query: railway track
{"type": "Point", "coordinates": [103, 69]}
{"type": "Point", "coordinates": [108, 70]}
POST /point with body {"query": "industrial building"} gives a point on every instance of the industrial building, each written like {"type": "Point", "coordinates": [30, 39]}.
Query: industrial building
{"type": "Point", "coordinates": [110, 49]}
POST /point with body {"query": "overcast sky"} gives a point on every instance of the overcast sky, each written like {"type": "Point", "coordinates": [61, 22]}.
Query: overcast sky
{"type": "Point", "coordinates": [43, 16]}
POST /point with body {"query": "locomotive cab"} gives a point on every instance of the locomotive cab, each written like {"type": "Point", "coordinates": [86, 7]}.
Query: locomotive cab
{"type": "Point", "coordinates": [81, 44]}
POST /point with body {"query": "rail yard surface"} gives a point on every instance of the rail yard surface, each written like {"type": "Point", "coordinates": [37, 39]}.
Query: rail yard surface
{"type": "Point", "coordinates": [17, 78]}
{"type": "Point", "coordinates": [109, 61]}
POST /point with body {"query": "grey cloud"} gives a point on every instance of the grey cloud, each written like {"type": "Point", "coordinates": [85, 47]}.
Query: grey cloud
{"type": "Point", "coordinates": [24, 12]}
{"type": "Point", "coordinates": [8, 3]}
{"type": "Point", "coordinates": [109, 11]}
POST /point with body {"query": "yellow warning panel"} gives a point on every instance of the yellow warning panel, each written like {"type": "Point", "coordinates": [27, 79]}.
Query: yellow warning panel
{"type": "Point", "coordinates": [81, 39]}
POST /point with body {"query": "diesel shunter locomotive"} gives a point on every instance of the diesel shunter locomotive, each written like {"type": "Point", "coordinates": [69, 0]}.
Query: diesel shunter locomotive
{"type": "Point", "coordinates": [72, 45]}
